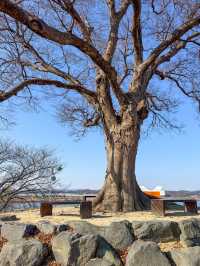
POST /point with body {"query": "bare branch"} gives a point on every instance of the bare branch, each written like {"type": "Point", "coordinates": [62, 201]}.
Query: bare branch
{"type": "Point", "coordinates": [78, 115]}
{"type": "Point", "coordinates": [191, 94]}
{"type": "Point", "coordinates": [137, 32]}
{"type": "Point", "coordinates": [44, 66]}
{"type": "Point", "coordinates": [115, 19]}
{"type": "Point", "coordinates": [78, 88]}
{"type": "Point", "coordinates": [177, 47]}
{"type": "Point", "coordinates": [38, 26]}
{"type": "Point", "coordinates": [94, 121]}
{"type": "Point", "coordinates": [161, 10]}
{"type": "Point", "coordinates": [175, 36]}
{"type": "Point", "coordinates": [69, 7]}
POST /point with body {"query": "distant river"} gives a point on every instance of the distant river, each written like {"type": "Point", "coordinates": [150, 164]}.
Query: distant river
{"type": "Point", "coordinates": [14, 206]}
{"type": "Point", "coordinates": [29, 206]}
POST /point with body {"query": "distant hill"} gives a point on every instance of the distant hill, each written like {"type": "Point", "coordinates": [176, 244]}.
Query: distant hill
{"type": "Point", "coordinates": [76, 191]}
{"type": "Point", "coordinates": [169, 193]}
{"type": "Point", "coordinates": [183, 193]}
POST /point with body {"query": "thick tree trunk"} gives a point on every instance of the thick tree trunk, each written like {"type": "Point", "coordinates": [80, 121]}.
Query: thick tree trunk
{"type": "Point", "coordinates": [121, 191]}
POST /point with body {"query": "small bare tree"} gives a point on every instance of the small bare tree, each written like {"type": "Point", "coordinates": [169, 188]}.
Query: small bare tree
{"type": "Point", "coordinates": [25, 172]}
{"type": "Point", "coordinates": [124, 59]}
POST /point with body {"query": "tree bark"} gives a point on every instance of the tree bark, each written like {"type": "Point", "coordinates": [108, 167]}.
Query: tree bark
{"type": "Point", "coordinates": [120, 191]}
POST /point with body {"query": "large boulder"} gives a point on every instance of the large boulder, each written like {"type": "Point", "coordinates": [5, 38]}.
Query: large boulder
{"type": "Point", "coordinates": [17, 231]}
{"type": "Point", "coordinates": [190, 232]}
{"type": "Point", "coordinates": [75, 250]}
{"type": "Point", "coordinates": [185, 257]}
{"type": "Point", "coordinates": [23, 253]}
{"type": "Point", "coordinates": [146, 253]}
{"type": "Point", "coordinates": [157, 231]}
{"type": "Point", "coordinates": [118, 234]}
{"type": "Point", "coordinates": [72, 250]}
{"type": "Point", "coordinates": [46, 227]}
{"type": "Point", "coordinates": [99, 262]}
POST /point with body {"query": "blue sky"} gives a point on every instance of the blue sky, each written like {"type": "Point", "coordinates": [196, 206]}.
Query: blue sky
{"type": "Point", "coordinates": [168, 159]}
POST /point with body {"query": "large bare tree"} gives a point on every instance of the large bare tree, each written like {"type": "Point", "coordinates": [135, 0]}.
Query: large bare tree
{"type": "Point", "coordinates": [115, 63]}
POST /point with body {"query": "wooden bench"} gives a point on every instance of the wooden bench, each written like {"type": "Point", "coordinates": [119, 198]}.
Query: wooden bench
{"type": "Point", "coordinates": [46, 207]}
{"type": "Point", "coordinates": [159, 206]}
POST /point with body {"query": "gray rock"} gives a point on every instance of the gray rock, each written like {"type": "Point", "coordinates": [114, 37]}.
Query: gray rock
{"type": "Point", "coordinates": [107, 252]}
{"type": "Point", "coordinates": [99, 262]}
{"type": "Point", "coordinates": [190, 232]}
{"type": "Point", "coordinates": [157, 231]}
{"type": "Point", "coordinates": [146, 253]}
{"type": "Point", "coordinates": [62, 227]}
{"type": "Point", "coordinates": [74, 251]}
{"type": "Point", "coordinates": [16, 231]}
{"type": "Point", "coordinates": [23, 253]}
{"type": "Point", "coordinates": [46, 227]}
{"type": "Point", "coordinates": [8, 218]}
{"type": "Point", "coordinates": [186, 257]}
{"type": "Point", "coordinates": [119, 235]}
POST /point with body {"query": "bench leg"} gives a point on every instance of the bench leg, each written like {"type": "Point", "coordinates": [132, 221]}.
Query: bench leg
{"type": "Point", "coordinates": [158, 207]}
{"type": "Point", "coordinates": [86, 209]}
{"type": "Point", "coordinates": [46, 209]}
{"type": "Point", "coordinates": [191, 207]}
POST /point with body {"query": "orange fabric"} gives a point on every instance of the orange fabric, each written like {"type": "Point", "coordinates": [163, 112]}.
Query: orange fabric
{"type": "Point", "coordinates": [152, 193]}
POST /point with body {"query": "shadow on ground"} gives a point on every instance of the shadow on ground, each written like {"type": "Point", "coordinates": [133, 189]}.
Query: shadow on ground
{"type": "Point", "coordinates": [78, 215]}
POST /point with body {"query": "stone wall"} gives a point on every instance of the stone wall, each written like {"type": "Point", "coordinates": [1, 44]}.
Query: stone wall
{"type": "Point", "coordinates": [79, 243]}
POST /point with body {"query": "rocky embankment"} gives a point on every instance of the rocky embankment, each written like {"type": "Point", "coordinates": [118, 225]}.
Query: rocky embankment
{"type": "Point", "coordinates": [79, 243]}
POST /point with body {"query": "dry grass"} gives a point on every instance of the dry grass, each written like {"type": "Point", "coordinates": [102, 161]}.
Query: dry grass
{"type": "Point", "coordinates": [54, 263]}
{"type": "Point", "coordinates": [165, 247]}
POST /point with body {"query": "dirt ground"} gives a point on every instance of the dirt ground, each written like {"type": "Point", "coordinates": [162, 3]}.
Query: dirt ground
{"type": "Point", "coordinates": [65, 214]}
